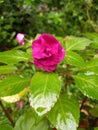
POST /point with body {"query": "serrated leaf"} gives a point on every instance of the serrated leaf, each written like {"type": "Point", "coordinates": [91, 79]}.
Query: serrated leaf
{"type": "Point", "coordinates": [74, 59]}
{"type": "Point", "coordinates": [77, 43]}
{"type": "Point", "coordinates": [13, 56]}
{"type": "Point", "coordinates": [44, 91]}
{"type": "Point", "coordinates": [5, 69]}
{"type": "Point", "coordinates": [92, 65]}
{"type": "Point", "coordinates": [88, 84]}
{"type": "Point", "coordinates": [5, 127]}
{"type": "Point", "coordinates": [65, 114]}
{"type": "Point", "coordinates": [94, 37]}
{"type": "Point", "coordinates": [12, 85]}
{"type": "Point", "coordinates": [27, 122]}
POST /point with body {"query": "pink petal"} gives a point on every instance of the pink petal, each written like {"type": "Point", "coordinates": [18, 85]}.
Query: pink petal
{"type": "Point", "coordinates": [47, 52]}
{"type": "Point", "coordinates": [20, 38]}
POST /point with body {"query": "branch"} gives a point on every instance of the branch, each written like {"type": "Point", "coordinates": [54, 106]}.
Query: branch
{"type": "Point", "coordinates": [7, 114]}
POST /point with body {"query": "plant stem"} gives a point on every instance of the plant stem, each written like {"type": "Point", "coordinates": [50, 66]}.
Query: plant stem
{"type": "Point", "coordinates": [83, 101]}
{"type": "Point", "coordinates": [7, 114]}
{"type": "Point", "coordinates": [67, 75]}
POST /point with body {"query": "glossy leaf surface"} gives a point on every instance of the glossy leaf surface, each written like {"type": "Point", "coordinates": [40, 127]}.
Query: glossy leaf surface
{"type": "Point", "coordinates": [65, 114]}
{"type": "Point", "coordinates": [44, 91]}
{"type": "Point", "coordinates": [13, 56]}
{"type": "Point", "coordinates": [77, 43]}
{"type": "Point", "coordinates": [88, 84]}
{"type": "Point", "coordinates": [74, 59]}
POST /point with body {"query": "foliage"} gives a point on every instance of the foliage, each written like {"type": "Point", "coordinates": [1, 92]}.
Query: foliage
{"type": "Point", "coordinates": [64, 99]}
{"type": "Point", "coordinates": [60, 17]}
{"type": "Point", "coordinates": [50, 100]}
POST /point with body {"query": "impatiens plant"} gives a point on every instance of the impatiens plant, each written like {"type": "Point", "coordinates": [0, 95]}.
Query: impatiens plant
{"type": "Point", "coordinates": [46, 84]}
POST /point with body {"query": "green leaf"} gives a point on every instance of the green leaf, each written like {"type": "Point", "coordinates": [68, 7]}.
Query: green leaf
{"type": "Point", "coordinates": [3, 119]}
{"type": "Point", "coordinates": [88, 84]}
{"type": "Point", "coordinates": [65, 114]}
{"type": "Point", "coordinates": [5, 127]}
{"type": "Point", "coordinates": [94, 37]}
{"type": "Point", "coordinates": [45, 89]}
{"type": "Point", "coordinates": [74, 59]}
{"type": "Point", "coordinates": [94, 111]}
{"type": "Point", "coordinates": [28, 2]}
{"type": "Point", "coordinates": [42, 125]}
{"type": "Point", "coordinates": [29, 53]}
{"type": "Point", "coordinates": [13, 56]}
{"type": "Point", "coordinates": [96, 128]}
{"type": "Point", "coordinates": [16, 97]}
{"type": "Point", "coordinates": [5, 69]}
{"type": "Point", "coordinates": [77, 43]}
{"type": "Point", "coordinates": [12, 85]}
{"type": "Point", "coordinates": [92, 65]}
{"type": "Point", "coordinates": [27, 122]}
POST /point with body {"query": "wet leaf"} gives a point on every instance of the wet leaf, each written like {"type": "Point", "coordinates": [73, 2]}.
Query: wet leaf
{"type": "Point", "coordinates": [44, 91]}
{"type": "Point", "coordinates": [76, 43]}
{"type": "Point", "coordinates": [13, 56]}
{"type": "Point", "coordinates": [74, 59]}
{"type": "Point", "coordinates": [88, 84]}
{"type": "Point", "coordinates": [65, 114]}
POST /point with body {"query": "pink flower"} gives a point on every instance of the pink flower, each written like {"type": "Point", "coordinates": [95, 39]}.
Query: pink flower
{"type": "Point", "coordinates": [47, 52]}
{"type": "Point", "coordinates": [20, 38]}
{"type": "Point", "coordinates": [68, 37]}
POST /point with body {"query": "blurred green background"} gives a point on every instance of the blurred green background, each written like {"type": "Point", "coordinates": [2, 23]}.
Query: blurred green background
{"type": "Point", "coordinates": [59, 17]}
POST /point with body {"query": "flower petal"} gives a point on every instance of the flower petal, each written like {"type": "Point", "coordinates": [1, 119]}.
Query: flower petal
{"type": "Point", "coordinates": [20, 38]}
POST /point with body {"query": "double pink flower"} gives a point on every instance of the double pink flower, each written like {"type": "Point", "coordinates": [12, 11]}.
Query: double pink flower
{"type": "Point", "coordinates": [46, 50]}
